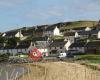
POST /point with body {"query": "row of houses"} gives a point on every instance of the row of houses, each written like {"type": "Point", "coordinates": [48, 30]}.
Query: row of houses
{"type": "Point", "coordinates": [78, 40]}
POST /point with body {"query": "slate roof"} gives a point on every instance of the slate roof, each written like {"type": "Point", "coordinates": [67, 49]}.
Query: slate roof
{"type": "Point", "coordinates": [78, 44]}
{"type": "Point", "coordinates": [9, 47]}
{"type": "Point", "coordinates": [24, 46]}
{"type": "Point", "coordinates": [50, 28]}
{"type": "Point", "coordinates": [69, 34]}
{"type": "Point", "coordinates": [11, 33]}
{"type": "Point", "coordinates": [93, 44]}
{"type": "Point", "coordinates": [88, 32]}
{"type": "Point", "coordinates": [57, 44]}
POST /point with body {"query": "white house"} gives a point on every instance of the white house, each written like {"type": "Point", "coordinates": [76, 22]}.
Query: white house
{"type": "Point", "coordinates": [41, 43]}
{"type": "Point", "coordinates": [4, 34]}
{"type": "Point", "coordinates": [98, 35]}
{"type": "Point", "coordinates": [14, 49]}
{"type": "Point", "coordinates": [67, 45]}
{"type": "Point", "coordinates": [48, 31]}
{"type": "Point", "coordinates": [56, 31]}
{"type": "Point", "coordinates": [76, 35]}
{"type": "Point", "coordinates": [52, 30]}
{"type": "Point", "coordinates": [14, 33]}
{"type": "Point", "coordinates": [20, 35]}
{"type": "Point", "coordinates": [59, 46]}
{"type": "Point", "coordinates": [87, 29]}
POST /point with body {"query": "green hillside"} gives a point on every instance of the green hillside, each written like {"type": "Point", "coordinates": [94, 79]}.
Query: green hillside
{"type": "Point", "coordinates": [77, 24]}
{"type": "Point", "coordinates": [62, 25]}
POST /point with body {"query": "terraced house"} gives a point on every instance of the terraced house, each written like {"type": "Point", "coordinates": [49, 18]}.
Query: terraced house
{"type": "Point", "coordinates": [51, 39]}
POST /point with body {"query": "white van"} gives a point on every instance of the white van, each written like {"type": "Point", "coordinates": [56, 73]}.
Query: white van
{"type": "Point", "coordinates": [62, 55]}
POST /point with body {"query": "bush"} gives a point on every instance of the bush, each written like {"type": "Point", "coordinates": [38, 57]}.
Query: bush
{"type": "Point", "coordinates": [88, 57]}
{"type": "Point", "coordinates": [56, 37]}
{"type": "Point", "coordinates": [4, 57]}
{"type": "Point", "coordinates": [79, 53]}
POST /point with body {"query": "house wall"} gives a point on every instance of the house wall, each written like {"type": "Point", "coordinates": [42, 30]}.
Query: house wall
{"type": "Point", "coordinates": [19, 35]}
{"type": "Point", "coordinates": [92, 50]}
{"type": "Point", "coordinates": [1, 51]}
{"type": "Point", "coordinates": [56, 31]}
{"type": "Point", "coordinates": [14, 51]}
{"type": "Point", "coordinates": [67, 45]}
{"type": "Point", "coordinates": [47, 33]}
{"type": "Point", "coordinates": [78, 49]}
{"type": "Point", "coordinates": [43, 50]}
{"type": "Point", "coordinates": [41, 44]}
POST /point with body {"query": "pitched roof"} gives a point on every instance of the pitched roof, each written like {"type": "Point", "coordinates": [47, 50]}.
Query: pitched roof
{"type": "Point", "coordinates": [93, 44]}
{"type": "Point", "coordinates": [88, 32]}
{"type": "Point", "coordinates": [78, 44]}
{"type": "Point", "coordinates": [9, 47]}
{"type": "Point", "coordinates": [11, 33]}
{"type": "Point", "coordinates": [69, 34]}
{"type": "Point", "coordinates": [50, 28]}
{"type": "Point", "coordinates": [24, 46]}
{"type": "Point", "coordinates": [57, 44]}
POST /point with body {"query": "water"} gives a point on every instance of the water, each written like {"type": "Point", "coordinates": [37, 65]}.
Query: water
{"type": "Point", "coordinates": [11, 72]}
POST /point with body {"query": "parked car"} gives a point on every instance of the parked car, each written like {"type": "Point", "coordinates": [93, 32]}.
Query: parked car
{"type": "Point", "coordinates": [62, 55]}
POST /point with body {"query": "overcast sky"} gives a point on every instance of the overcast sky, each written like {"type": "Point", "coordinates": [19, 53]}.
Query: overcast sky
{"type": "Point", "coordinates": [20, 13]}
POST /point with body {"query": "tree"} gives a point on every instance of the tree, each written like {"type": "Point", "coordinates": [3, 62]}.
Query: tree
{"type": "Point", "coordinates": [2, 39]}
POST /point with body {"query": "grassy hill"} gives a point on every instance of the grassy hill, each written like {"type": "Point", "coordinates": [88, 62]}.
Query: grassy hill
{"type": "Point", "coordinates": [76, 24]}
{"type": "Point", "coordinates": [62, 25]}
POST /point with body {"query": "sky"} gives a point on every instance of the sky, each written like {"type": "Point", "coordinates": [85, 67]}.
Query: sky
{"type": "Point", "coordinates": [26, 13]}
